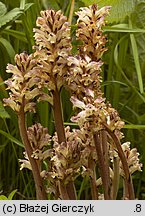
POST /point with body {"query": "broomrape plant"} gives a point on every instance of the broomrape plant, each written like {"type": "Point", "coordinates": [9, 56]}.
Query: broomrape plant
{"type": "Point", "coordinates": [94, 148]}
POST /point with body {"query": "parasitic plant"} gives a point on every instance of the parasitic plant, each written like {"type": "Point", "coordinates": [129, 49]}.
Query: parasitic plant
{"type": "Point", "coordinates": [94, 148]}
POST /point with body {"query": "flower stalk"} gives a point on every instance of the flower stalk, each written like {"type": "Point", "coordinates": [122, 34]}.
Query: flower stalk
{"type": "Point", "coordinates": [128, 179]}
{"type": "Point", "coordinates": [93, 185]}
{"type": "Point", "coordinates": [40, 190]}
{"type": "Point", "coordinates": [102, 166]}
{"type": "Point", "coordinates": [116, 178]}
{"type": "Point", "coordinates": [68, 191]}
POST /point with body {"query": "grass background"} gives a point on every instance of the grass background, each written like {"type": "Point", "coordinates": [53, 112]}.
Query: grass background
{"type": "Point", "coordinates": [123, 82]}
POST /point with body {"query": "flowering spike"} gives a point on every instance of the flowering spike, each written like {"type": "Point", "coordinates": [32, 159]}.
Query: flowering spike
{"type": "Point", "coordinates": [90, 22]}
{"type": "Point", "coordinates": [53, 47]}
{"type": "Point", "coordinates": [23, 83]}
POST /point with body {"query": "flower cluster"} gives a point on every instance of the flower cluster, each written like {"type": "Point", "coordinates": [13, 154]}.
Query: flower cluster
{"type": "Point", "coordinates": [70, 159]}
{"type": "Point", "coordinates": [53, 47]}
{"type": "Point", "coordinates": [90, 22]}
{"type": "Point", "coordinates": [84, 77]}
{"type": "Point", "coordinates": [23, 84]}
{"type": "Point", "coordinates": [39, 140]}
{"type": "Point", "coordinates": [132, 159]}
{"type": "Point", "coordinates": [66, 159]}
{"type": "Point", "coordinates": [93, 116]}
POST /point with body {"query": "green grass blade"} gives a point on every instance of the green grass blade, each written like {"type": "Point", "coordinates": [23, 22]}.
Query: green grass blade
{"type": "Point", "coordinates": [122, 30]}
{"type": "Point", "coordinates": [2, 197]}
{"type": "Point", "coordinates": [133, 126]}
{"type": "Point", "coordinates": [16, 34]}
{"type": "Point", "coordinates": [11, 138]}
{"type": "Point", "coordinates": [11, 195]}
{"type": "Point", "coordinates": [7, 45]}
{"type": "Point", "coordinates": [22, 4]}
{"type": "Point", "coordinates": [136, 60]}
{"type": "Point", "coordinates": [122, 72]}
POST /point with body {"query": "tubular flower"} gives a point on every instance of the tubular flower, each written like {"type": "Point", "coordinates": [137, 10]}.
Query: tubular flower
{"type": "Point", "coordinates": [93, 116]}
{"type": "Point", "coordinates": [66, 161]}
{"type": "Point", "coordinates": [71, 158]}
{"type": "Point", "coordinates": [132, 159]}
{"type": "Point", "coordinates": [53, 47]}
{"type": "Point", "coordinates": [23, 83]}
{"type": "Point", "coordinates": [39, 139]}
{"type": "Point", "coordinates": [84, 77]}
{"type": "Point", "coordinates": [90, 22]}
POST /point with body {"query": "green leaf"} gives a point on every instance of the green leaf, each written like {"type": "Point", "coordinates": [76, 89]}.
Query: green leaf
{"type": "Point", "coordinates": [3, 112]}
{"type": "Point", "coordinates": [122, 72]}
{"type": "Point", "coordinates": [22, 4]}
{"type": "Point", "coordinates": [10, 16]}
{"type": "Point", "coordinates": [133, 126]}
{"type": "Point", "coordinates": [136, 60]}
{"type": "Point", "coordinates": [11, 138]}
{"type": "Point", "coordinates": [10, 197]}
{"type": "Point", "coordinates": [8, 48]}
{"type": "Point", "coordinates": [119, 29]}
{"type": "Point", "coordinates": [27, 6]}
{"type": "Point", "coordinates": [2, 197]}
{"type": "Point", "coordinates": [3, 9]}
{"type": "Point", "coordinates": [51, 4]}
{"type": "Point", "coordinates": [19, 35]}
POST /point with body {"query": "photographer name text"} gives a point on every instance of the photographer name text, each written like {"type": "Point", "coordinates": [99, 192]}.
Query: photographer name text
{"type": "Point", "coordinates": [54, 208]}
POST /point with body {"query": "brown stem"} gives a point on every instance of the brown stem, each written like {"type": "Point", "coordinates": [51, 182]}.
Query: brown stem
{"type": "Point", "coordinates": [63, 191]}
{"type": "Point", "coordinates": [71, 11]}
{"type": "Point", "coordinates": [115, 181]}
{"type": "Point", "coordinates": [102, 167]}
{"type": "Point", "coordinates": [125, 190]}
{"type": "Point", "coordinates": [58, 119]}
{"type": "Point", "coordinates": [104, 144]}
{"type": "Point", "coordinates": [40, 190]}
{"type": "Point", "coordinates": [121, 154]}
{"type": "Point", "coordinates": [94, 189]}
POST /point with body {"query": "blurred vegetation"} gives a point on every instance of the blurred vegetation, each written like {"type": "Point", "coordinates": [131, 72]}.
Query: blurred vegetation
{"type": "Point", "coordinates": [123, 81]}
